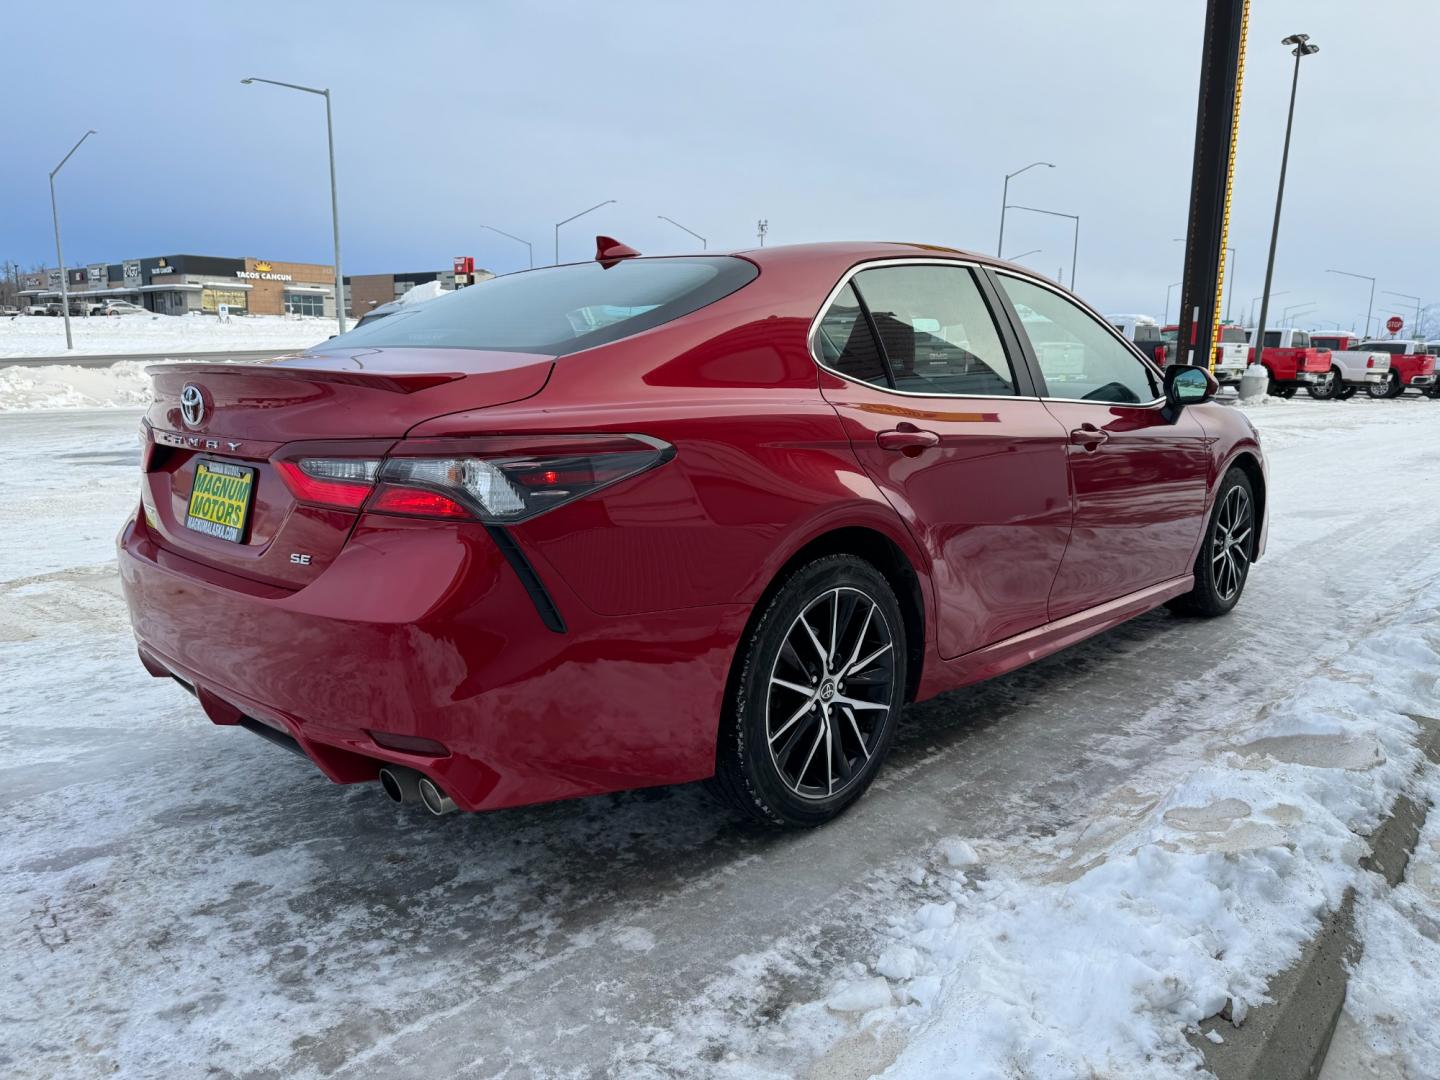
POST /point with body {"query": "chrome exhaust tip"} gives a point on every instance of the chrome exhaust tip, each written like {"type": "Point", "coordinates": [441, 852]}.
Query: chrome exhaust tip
{"type": "Point", "coordinates": [401, 785]}
{"type": "Point", "coordinates": [435, 800]}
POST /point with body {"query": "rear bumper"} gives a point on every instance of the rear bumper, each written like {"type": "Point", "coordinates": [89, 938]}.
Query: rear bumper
{"type": "Point", "coordinates": [425, 630]}
{"type": "Point", "coordinates": [1420, 380]}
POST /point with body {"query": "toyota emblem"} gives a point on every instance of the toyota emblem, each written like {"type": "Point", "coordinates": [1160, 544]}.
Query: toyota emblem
{"type": "Point", "coordinates": [192, 405]}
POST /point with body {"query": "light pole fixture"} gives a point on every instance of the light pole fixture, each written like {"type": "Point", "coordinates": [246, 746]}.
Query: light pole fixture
{"type": "Point", "coordinates": [334, 199]}
{"type": "Point", "coordinates": [1017, 258]}
{"type": "Point", "coordinates": [1416, 328]}
{"type": "Point", "coordinates": [761, 228]}
{"type": "Point", "coordinates": [59, 256]}
{"type": "Point", "coordinates": [703, 245]}
{"type": "Point", "coordinates": [571, 218]}
{"type": "Point", "coordinates": [1295, 308]}
{"type": "Point", "coordinates": [1362, 277]}
{"type": "Point", "coordinates": [1005, 199]}
{"type": "Point", "coordinates": [528, 246]}
{"type": "Point", "coordinates": [1302, 49]}
{"type": "Point", "coordinates": [1075, 250]}
{"type": "Point", "coordinates": [1170, 291]}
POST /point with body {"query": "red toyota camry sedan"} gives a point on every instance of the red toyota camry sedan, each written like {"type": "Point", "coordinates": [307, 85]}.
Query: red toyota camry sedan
{"type": "Point", "coordinates": [641, 521]}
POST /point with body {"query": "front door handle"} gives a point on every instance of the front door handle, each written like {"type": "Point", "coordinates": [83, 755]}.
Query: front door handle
{"type": "Point", "coordinates": [913, 439]}
{"type": "Point", "coordinates": [1089, 436]}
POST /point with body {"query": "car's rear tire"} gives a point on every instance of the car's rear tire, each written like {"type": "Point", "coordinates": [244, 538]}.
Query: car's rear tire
{"type": "Point", "coordinates": [1390, 388]}
{"type": "Point", "coordinates": [819, 686]}
{"type": "Point", "coordinates": [1223, 563]}
{"type": "Point", "coordinates": [1277, 390]}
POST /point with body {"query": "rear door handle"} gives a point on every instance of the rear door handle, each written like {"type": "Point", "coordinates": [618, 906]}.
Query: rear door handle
{"type": "Point", "coordinates": [914, 439]}
{"type": "Point", "coordinates": [1088, 436]}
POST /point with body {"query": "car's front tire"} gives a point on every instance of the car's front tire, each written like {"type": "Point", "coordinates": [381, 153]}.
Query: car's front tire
{"type": "Point", "coordinates": [1223, 563]}
{"type": "Point", "coordinates": [817, 694]}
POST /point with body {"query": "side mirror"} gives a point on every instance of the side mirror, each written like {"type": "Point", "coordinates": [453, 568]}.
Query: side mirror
{"type": "Point", "coordinates": [1187, 385]}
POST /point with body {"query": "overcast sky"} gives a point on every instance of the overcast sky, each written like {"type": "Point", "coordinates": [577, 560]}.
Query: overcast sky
{"type": "Point", "coordinates": [833, 120]}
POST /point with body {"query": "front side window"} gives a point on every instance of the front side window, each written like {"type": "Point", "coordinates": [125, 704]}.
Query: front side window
{"type": "Point", "coordinates": [558, 310]}
{"type": "Point", "coordinates": [920, 329]}
{"type": "Point", "coordinates": [1078, 356]}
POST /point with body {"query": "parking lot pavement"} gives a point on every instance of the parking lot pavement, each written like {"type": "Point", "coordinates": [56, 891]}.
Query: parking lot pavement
{"type": "Point", "coordinates": [181, 898]}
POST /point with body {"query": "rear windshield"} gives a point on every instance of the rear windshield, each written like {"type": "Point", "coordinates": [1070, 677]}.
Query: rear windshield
{"type": "Point", "coordinates": [1394, 348]}
{"type": "Point", "coordinates": [1232, 334]}
{"type": "Point", "coordinates": [557, 310]}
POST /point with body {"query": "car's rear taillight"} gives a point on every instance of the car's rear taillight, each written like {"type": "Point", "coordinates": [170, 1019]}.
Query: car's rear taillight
{"type": "Point", "coordinates": [147, 446]}
{"type": "Point", "coordinates": [330, 481]}
{"type": "Point", "coordinates": [504, 480]}
{"type": "Point", "coordinates": [1370, 361]}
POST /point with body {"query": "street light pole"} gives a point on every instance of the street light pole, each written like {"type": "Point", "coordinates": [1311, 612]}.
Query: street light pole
{"type": "Point", "coordinates": [1257, 299]}
{"type": "Point", "coordinates": [1075, 250]}
{"type": "Point", "coordinates": [59, 256]}
{"type": "Point", "coordinates": [703, 245]}
{"type": "Point", "coordinates": [334, 197]}
{"type": "Point", "coordinates": [1302, 49]}
{"type": "Point", "coordinates": [1407, 296]}
{"type": "Point", "coordinates": [1017, 258]}
{"type": "Point", "coordinates": [1005, 200]}
{"type": "Point", "coordinates": [1362, 277]}
{"type": "Point", "coordinates": [571, 218]}
{"type": "Point", "coordinates": [528, 246]}
{"type": "Point", "coordinates": [1169, 291]}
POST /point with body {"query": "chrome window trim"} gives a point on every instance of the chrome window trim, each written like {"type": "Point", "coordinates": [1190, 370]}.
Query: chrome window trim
{"type": "Point", "coordinates": [966, 264]}
{"type": "Point", "coordinates": [1087, 309]}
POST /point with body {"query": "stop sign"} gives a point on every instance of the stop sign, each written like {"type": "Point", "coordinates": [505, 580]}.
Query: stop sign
{"type": "Point", "coordinates": [1394, 323]}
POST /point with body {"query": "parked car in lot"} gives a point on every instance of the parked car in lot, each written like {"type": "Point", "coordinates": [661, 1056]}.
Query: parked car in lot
{"type": "Point", "coordinates": [1291, 361]}
{"type": "Point", "coordinates": [1232, 350]}
{"type": "Point", "coordinates": [1412, 367]}
{"type": "Point", "coordinates": [37, 309]}
{"type": "Point", "coordinates": [1144, 333]}
{"type": "Point", "coordinates": [1351, 367]}
{"type": "Point", "coordinates": [118, 307]}
{"type": "Point", "coordinates": [642, 521]}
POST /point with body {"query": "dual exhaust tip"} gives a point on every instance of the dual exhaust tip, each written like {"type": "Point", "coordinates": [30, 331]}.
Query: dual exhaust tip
{"type": "Point", "coordinates": [402, 785]}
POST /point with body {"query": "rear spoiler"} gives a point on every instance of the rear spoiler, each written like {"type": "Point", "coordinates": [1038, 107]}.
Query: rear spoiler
{"type": "Point", "coordinates": [398, 382]}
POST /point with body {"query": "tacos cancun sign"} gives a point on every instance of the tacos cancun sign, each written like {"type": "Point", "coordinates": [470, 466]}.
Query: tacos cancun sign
{"type": "Point", "coordinates": [262, 272]}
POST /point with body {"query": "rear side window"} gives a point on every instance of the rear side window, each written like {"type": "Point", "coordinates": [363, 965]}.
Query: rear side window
{"type": "Point", "coordinates": [557, 310]}
{"type": "Point", "coordinates": [934, 332]}
{"type": "Point", "coordinates": [846, 343]}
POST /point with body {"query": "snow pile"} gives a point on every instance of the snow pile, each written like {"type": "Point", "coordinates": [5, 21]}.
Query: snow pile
{"type": "Point", "coordinates": [102, 335]}
{"type": "Point", "coordinates": [426, 290]}
{"type": "Point", "coordinates": [1093, 953]}
{"type": "Point", "coordinates": [66, 387]}
{"type": "Point", "coordinates": [1394, 988]}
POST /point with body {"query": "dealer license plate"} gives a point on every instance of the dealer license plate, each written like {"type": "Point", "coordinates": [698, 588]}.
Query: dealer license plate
{"type": "Point", "coordinates": [220, 500]}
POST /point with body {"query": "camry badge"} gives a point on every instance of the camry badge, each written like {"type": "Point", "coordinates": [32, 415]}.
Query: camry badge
{"type": "Point", "coordinates": [192, 405]}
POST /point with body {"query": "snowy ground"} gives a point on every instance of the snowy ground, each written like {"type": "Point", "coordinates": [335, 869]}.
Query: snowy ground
{"type": "Point", "coordinates": [1055, 874]}
{"type": "Point", "coordinates": [39, 335]}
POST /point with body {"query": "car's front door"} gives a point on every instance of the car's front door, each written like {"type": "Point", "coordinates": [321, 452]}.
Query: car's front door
{"type": "Point", "coordinates": [949, 429]}
{"type": "Point", "coordinates": [1139, 478]}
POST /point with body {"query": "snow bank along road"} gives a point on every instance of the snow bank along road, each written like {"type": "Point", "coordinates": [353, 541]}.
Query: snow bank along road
{"type": "Point", "coordinates": [1055, 874]}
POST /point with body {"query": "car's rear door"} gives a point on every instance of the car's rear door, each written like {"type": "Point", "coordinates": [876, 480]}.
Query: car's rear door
{"type": "Point", "coordinates": [1139, 478]}
{"type": "Point", "coordinates": [942, 415]}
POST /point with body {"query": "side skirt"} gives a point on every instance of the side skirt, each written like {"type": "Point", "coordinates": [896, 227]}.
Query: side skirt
{"type": "Point", "coordinates": [1016, 652]}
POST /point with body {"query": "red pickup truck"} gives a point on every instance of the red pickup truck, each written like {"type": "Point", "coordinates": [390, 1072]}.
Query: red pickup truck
{"type": "Point", "coordinates": [1412, 367]}
{"type": "Point", "coordinates": [1291, 361]}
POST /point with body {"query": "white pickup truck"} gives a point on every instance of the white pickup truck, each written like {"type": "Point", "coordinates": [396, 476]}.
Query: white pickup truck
{"type": "Point", "coordinates": [1351, 367]}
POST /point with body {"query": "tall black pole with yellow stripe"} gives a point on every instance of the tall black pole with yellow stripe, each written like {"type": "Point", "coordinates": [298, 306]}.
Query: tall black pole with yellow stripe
{"type": "Point", "coordinates": [1217, 122]}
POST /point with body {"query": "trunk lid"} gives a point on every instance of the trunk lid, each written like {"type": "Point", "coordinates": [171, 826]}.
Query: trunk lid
{"type": "Point", "coordinates": [252, 417]}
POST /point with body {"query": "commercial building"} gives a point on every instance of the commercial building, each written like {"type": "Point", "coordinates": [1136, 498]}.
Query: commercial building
{"type": "Point", "coordinates": [365, 292]}
{"type": "Point", "coordinates": [178, 284]}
